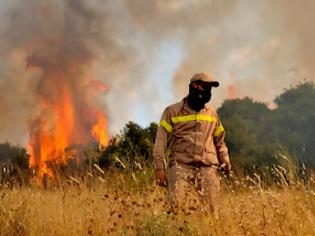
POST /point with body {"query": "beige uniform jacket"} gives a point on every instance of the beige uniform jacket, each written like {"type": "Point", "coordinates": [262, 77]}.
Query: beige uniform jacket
{"type": "Point", "coordinates": [195, 138]}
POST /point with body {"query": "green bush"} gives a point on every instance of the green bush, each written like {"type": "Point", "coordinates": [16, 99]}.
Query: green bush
{"type": "Point", "coordinates": [133, 147]}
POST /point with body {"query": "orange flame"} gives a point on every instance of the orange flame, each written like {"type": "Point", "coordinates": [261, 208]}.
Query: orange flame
{"type": "Point", "coordinates": [55, 129]}
{"type": "Point", "coordinates": [98, 131]}
{"type": "Point", "coordinates": [98, 85]}
{"type": "Point", "coordinates": [232, 94]}
{"type": "Point", "coordinates": [52, 132]}
{"type": "Point", "coordinates": [67, 93]}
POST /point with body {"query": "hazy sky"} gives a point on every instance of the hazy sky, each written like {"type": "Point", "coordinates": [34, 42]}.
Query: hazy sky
{"type": "Point", "coordinates": [146, 51]}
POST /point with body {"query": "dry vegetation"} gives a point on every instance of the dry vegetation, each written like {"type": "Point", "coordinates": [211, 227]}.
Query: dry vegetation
{"type": "Point", "coordinates": [120, 204]}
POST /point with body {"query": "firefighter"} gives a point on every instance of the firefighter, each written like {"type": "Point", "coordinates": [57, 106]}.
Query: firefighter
{"type": "Point", "coordinates": [195, 137]}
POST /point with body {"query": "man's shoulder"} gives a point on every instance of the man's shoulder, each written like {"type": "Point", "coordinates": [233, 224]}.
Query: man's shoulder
{"type": "Point", "coordinates": [175, 107]}
{"type": "Point", "coordinates": [210, 110]}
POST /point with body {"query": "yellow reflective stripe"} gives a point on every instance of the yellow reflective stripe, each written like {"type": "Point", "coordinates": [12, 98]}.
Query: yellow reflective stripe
{"type": "Point", "coordinates": [218, 131]}
{"type": "Point", "coordinates": [166, 126]}
{"type": "Point", "coordinates": [178, 119]}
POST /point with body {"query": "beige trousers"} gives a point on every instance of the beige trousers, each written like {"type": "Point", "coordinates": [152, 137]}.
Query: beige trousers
{"type": "Point", "coordinates": [205, 180]}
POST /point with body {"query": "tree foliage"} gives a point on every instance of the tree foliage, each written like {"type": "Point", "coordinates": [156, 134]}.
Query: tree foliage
{"type": "Point", "coordinates": [245, 121]}
{"type": "Point", "coordinates": [255, 133]}
{"type": "Point", "coordinates": [15, 156]}
{"type": "Point", "coordinates": [293, 121]}
{"type": "Point", "coordinates": [133, 144]}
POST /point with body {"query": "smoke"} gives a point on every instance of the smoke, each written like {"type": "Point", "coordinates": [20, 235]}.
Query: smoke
{"type": "Point", "coordinates": [255, 47]}
{"type": "Point", "coordinates": [53, 55]}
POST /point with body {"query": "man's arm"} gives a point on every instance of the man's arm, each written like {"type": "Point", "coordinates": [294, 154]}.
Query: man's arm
{"type": "Point", "coordinates": [222, 150]}
{"type": "Point", "coordinates": [163, 131]}
{"type": "Point", "coordinates": [159, 148]}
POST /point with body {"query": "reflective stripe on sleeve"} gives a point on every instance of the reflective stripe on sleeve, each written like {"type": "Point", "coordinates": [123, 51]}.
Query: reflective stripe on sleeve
{"type": "Point", "coordinates": [194, 117]}
{"type": "Point", "coordinates": [166, 126]}
{"type": "Point", "coordinates": [218, 131]}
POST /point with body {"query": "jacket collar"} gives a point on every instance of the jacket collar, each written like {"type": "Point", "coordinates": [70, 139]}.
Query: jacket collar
{"type": "Point", "coordinates": [187, 108]}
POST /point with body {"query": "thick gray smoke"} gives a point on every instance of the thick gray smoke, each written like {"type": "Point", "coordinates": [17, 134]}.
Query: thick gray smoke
{"type": "Point", "coordinates": [256, 47]}
{"type": "Point", "coordinates": [56, 58]}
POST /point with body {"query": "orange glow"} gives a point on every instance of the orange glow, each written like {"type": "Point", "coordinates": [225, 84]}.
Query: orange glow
{"type": "Point", "coordinates": [58, 126]}
{"type": "Point", "coordinates": [68, 116]}
{"type": "Point", "coordinates": [232, 94]}
{"type": "Point", "coordinates": [51, 132]}
{"type": "Point", "coordinates": [98, 131]}
{"type": "Point", "coordinates": [98, 85]}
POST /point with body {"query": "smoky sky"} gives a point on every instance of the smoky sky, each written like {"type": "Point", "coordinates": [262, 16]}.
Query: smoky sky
{"type": "Point", "coordinates": [258, 47]}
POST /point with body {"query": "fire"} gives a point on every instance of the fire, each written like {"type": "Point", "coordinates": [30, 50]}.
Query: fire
{"type": "Point", "coordinates": [232, 94]}
{"type": "Point", "coordinates": [60, 125]}
{"type": "Point", "coordinates": [98, 85]}
{"type": "Point", "coordinates": [98, 131]}
{"type": "Point", "coordinates": [66, 90]}
{"type": "Point", "coordinates": [52, 132]}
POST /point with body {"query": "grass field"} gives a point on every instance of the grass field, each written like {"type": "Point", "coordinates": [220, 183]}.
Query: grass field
{"type": "Point", "coordinates": [118, 204]}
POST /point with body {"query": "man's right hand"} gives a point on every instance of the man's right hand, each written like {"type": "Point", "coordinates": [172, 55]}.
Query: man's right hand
{"type": "Point", "coordinates": [160, 177]}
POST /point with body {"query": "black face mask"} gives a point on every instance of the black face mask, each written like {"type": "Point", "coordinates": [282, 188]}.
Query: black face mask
{"type": "Point", "coordinates": [197, 98]}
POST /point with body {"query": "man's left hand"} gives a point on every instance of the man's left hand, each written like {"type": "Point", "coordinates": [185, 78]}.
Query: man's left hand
{"type": "Point", "coordinates": [226, 168]}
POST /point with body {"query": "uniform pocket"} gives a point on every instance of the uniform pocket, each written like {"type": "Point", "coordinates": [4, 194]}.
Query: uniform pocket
{"type": "Point", "coordinates": [180, 147]}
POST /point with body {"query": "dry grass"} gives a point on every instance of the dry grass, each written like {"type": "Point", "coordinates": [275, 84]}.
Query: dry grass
{"type": "Point", "coordinates": [113, 206]}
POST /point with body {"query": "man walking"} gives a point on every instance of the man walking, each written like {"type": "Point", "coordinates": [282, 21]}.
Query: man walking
{"type": "Point", "coordinates": [195, 137]}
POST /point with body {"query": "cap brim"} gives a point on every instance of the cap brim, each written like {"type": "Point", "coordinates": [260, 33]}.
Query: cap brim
{"type": "Point", "coordinates": [214, 83]}
{"type": "Point", "coordinates": [211, 83]}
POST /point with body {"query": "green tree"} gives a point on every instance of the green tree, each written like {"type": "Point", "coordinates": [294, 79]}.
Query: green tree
{"type": "Point", "coordinates": [245, 121]}
{"type": "Point", "coordinates": [256, 133]}
{"type": "Point", "coordinates": [14, 155]}
{"type": "Point", "coordinates": [133, 144]}
{"type": "Point", "coordinates": [293, 121]}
